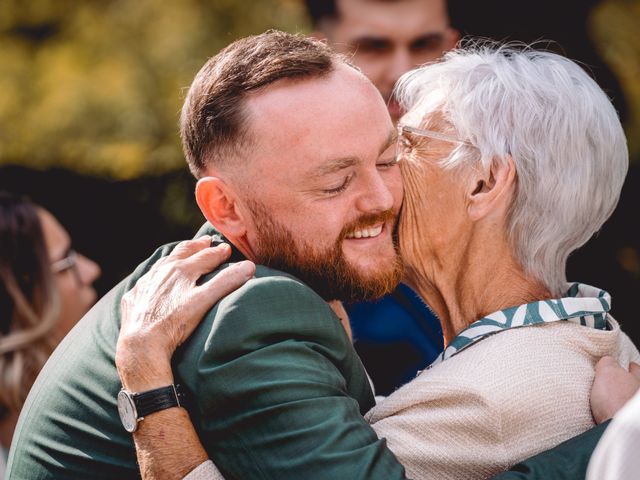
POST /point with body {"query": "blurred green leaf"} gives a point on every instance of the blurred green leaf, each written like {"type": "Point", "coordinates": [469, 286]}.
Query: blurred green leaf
{"type": "Point", "coordinates": [96, 86]}
{"type": "Point", "coordinates": [614, 25]}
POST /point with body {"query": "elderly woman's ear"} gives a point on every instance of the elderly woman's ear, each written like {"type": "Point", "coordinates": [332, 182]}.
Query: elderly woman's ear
{"type": "Point", "coordinates": [491, 192]}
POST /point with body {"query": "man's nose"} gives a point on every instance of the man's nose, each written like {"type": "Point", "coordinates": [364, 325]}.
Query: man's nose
{"type": "Point", "coordinates": [376, 195]}
{"type": "Point", "coordinates": [89, 270]}
{"type": "Point", "coordinates": [401, 62]}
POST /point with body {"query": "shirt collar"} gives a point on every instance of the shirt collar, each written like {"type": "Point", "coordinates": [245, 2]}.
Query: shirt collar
{"type": "Point", "coordinates": [582, 304]}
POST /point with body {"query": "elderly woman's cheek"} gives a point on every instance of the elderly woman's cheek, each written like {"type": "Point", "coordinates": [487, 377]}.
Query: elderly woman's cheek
{"type": "Point", "coordinates": [413, 213]}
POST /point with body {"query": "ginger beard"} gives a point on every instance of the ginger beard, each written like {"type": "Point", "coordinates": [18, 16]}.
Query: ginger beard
{"type": "Point", "coordinates": [326, 271]}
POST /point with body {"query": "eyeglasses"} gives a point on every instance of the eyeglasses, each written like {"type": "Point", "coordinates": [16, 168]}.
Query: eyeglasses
{"type": "Point", "coordinates": [66, 263]}
{"type": "Point", "coordinates": [404, 145]}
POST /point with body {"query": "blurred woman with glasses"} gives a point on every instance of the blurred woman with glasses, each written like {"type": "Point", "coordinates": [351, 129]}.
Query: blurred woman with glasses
{"type": "Point", "coordinates": [46, 287]}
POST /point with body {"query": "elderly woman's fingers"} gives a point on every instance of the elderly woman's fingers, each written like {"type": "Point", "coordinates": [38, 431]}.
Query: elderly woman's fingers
{"type": "Point", "coordinates": [170, 282]}
{"type": "Point", "coordinates": [207, 259]}
{"type": "Point", "coordinates": [191, 305]}
{"type": "Point", "coordinates": [187, 248]}
{"type": "Point", "coordinates": [612, 387]}
{"type": "Point", "coordinates": [226, 281]}
{"type": "Point", "coordinates": [166, 305]}
{"type": "Point", "coordinates": [187, 266]}
{"type": "Point", "coordinates": [203, 297]}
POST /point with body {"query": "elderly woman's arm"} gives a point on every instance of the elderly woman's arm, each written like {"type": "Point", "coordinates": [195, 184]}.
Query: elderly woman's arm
{"type": "Point", "coordinates": [159, 314]}
{"type": "Point", "coordinates": [163, 310]}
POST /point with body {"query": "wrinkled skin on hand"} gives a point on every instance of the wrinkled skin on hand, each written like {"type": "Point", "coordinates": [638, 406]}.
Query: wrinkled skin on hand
{"type": "Point", "coordinates": [613, 386]}
{"type": "Point", "coordinates": [166, 305]}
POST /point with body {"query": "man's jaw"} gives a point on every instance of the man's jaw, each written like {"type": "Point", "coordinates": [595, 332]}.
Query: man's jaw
{"type": "Point", "coordinates": [353, 269]}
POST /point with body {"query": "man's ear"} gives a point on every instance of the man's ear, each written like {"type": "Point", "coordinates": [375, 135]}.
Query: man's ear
{"type": "Point", "coordinates": [219, 205]}
{"type": "Point", "coordinates": [492, 190]}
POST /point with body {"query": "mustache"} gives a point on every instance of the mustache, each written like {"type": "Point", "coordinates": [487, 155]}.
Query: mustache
{"type": "Point", "coordinates": [367, 220]}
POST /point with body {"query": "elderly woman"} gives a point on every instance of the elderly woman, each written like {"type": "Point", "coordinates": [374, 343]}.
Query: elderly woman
{"type": "Point", "coordinates": [511, 160]}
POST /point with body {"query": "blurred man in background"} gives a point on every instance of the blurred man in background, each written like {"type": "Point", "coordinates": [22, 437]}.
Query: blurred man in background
{"type": "Point", "coordinates": [385, 39]}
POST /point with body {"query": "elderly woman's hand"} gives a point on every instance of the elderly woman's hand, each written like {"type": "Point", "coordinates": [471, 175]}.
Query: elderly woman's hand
{"type": "Point", "coordinates": [612, 387]}
{"type": "Point", "coordinates": [166, 305]}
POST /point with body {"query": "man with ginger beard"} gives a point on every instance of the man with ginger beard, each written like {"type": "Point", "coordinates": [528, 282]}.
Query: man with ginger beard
{"type": "Point", "coordinates": [273, 127]}
{"type": "Point", "coordinates": [327, 272]}
{"type": "Point", "coordinates": [385, 39]}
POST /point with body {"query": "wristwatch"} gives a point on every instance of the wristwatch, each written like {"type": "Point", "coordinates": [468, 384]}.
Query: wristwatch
{"type": "Point", "coordinates": [133, 407]}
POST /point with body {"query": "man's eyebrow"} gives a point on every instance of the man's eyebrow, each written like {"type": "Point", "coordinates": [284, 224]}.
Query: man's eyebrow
{"type": "Point", "coordinates": [335, 165]}
{"type": "Point", "coordinates": [370, 40]}
{"type": "Point", "coordinates": [428, 37]}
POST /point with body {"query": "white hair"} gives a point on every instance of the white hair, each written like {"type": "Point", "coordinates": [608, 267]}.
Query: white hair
{"type": "Point", "coordinates": [560, 128]}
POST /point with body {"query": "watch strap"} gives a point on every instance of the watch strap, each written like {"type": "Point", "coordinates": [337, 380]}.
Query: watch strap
{"type": "Point", "coordinates": [155, 400]}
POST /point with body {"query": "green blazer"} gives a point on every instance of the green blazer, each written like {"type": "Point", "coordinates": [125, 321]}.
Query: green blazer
{"type": "Point", "coordinates": [275, 390]}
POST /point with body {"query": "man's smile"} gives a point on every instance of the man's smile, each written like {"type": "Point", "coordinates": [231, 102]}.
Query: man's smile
{"type": "Point", "coordinates": [368, 232]}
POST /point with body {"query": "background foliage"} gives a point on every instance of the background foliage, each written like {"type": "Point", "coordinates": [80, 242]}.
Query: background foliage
{"type": "Point", "coordinates": [615, 27]}
{"type": "Point", "coordinates": [96, 85]}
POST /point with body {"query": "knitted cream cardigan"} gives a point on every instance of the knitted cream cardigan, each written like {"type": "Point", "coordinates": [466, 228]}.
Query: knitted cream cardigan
{"type": "Point", "coordinates": [502, 400]}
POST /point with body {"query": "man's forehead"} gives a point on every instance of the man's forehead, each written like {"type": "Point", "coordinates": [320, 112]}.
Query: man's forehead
{"type": "Point", "coordinates": [312, 104]}
{"type": "Point", "coordinates": [391, 18]}
{"type": "Point", "coordinates": [321, 115]}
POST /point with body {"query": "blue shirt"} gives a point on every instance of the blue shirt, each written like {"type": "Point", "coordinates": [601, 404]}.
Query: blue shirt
{"type": "Point", "coordinates": [395, 337]}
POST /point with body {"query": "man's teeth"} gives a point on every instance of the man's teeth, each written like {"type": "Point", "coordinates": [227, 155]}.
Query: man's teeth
{"type": "Point", "coordinates": [366, 232]}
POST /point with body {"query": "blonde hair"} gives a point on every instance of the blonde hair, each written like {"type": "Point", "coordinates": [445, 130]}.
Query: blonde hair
{"type": "Point", "coordinates": [29, 305]}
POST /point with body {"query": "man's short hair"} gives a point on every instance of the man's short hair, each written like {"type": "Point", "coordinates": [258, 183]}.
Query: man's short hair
{"type": "Point", "coordinates": [213, 123]}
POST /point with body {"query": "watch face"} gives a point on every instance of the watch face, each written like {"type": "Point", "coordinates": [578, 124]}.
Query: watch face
{"type": "Point", "coordinates": [127, 411]}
